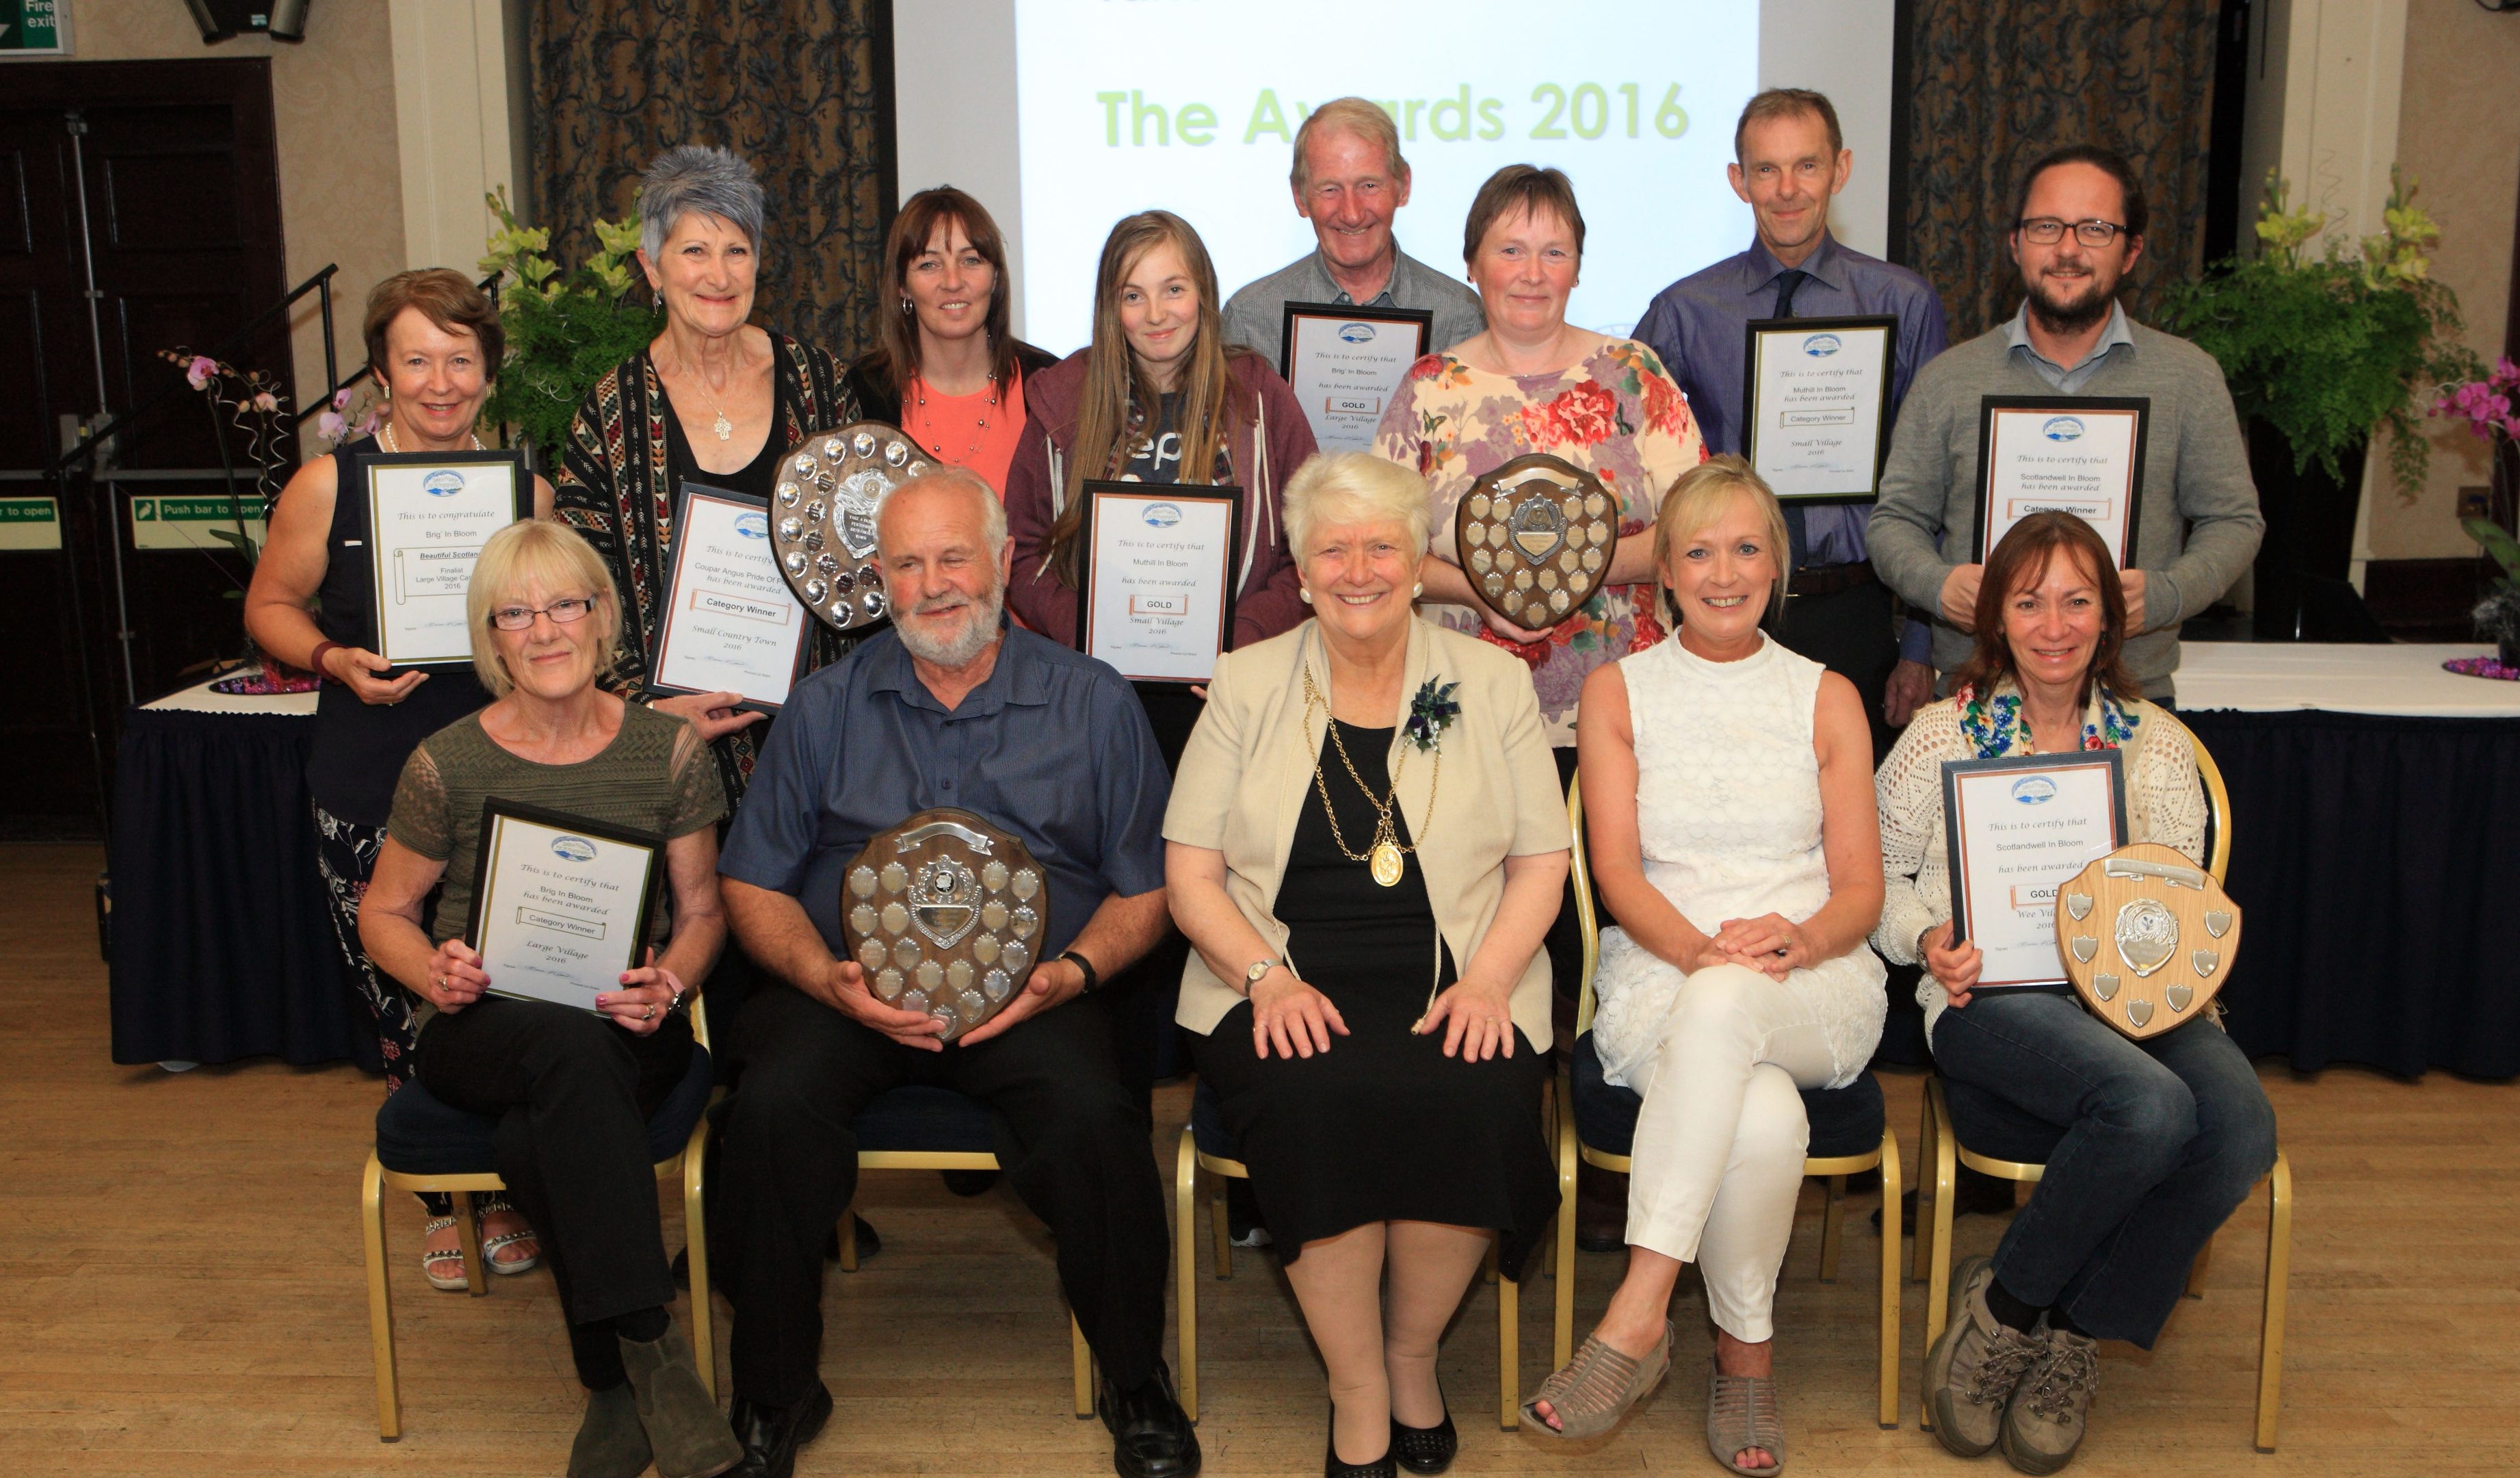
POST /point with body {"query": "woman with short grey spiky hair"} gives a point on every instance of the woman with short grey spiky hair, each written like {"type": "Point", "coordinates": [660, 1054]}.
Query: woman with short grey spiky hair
{"type": "Point", "coordinates": [714, 399]}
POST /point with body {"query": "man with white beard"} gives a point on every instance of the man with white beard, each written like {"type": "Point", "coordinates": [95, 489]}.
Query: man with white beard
{"type": "Point", "coordinates": [953, 707]}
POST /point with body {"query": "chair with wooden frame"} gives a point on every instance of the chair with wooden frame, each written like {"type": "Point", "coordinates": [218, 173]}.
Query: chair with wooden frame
{"type": "Point", "coordinates": [1206, 1145]}
{"type": "Point", "coordinates": [919, 1128]}
{"type": "Point", "coordinates": [1849, 1133]}
{"type": "Point", "coordinates": [432, 1147]}
{"type": "Point", "coordinates": [2012, 1145]}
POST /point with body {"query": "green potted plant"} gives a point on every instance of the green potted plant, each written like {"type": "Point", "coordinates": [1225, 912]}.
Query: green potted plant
{"type": "Point", "coordinates": [2322, 349]}
{"type": "Point", "coordinates": [564, 328]}
{"type": "Point", "coordinates": [2489, 404]}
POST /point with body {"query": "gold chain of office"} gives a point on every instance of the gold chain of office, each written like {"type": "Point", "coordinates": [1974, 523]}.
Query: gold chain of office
{"type": "Point", "coordinates": [1385, 852]}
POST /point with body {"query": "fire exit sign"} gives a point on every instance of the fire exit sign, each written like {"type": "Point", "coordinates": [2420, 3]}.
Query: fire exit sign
{"type": "Point", "coordinates": [34, 29]}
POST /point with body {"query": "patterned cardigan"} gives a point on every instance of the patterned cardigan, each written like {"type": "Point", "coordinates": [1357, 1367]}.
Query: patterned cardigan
{"type": "Point", "coordinates": [613, 488]}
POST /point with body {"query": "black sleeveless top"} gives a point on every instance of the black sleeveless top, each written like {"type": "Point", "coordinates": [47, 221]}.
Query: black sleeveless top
{"type": "Point", "coordinates": [360, 747]}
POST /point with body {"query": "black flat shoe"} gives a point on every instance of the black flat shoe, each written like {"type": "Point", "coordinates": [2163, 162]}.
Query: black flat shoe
{"type": "Point", "coordinates": [1425, 1450]}
{"type": "Point", "coordinates": [771, 1435]}
{"type": "Point", "coordinates": [1150, 1434]}
{"type": "Point", "coordinates": [1380, 1467]}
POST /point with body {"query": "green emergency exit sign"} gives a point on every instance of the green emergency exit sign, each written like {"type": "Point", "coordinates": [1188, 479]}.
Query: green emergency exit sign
{"type": "Point", "coordinates": [34, 29]}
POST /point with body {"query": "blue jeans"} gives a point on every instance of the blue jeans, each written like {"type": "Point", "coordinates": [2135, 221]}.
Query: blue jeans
{"type": "Point", "coordinates": [2162, 1140]}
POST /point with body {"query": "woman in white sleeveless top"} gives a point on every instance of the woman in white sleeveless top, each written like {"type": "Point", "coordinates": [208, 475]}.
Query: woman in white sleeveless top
{"type": "Point", "coordinates": [1728, 788]}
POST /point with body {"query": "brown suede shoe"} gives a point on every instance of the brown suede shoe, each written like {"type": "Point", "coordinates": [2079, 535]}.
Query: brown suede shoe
{"type": "Point", "coordinates": [689, 1437]}
{"type": "Point", "coordinates": [611, 1441]}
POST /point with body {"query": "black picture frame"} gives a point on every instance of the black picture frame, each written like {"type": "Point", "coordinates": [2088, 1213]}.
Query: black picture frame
{"type": "Point", "coordinates": [684, 494]}
{"type": "Point", "coordinates": [1955, 843]}
{"type": "Point", "coordinates": [1423, 319]}
{"type": "Point", "coordinates": [1095, 491]}
{"type": "Point", "coordinates": [2058, 405]}
{"type": "Point", "coordinates": [497, 807]}
{"type": "Point", "coordinates": [362, 487]}
{"type": "Point", "coordinates": [1888, 324]}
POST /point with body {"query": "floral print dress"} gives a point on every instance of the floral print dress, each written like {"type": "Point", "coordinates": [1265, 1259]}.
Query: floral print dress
{"type": "Point", "coordinates": [1616, 414]}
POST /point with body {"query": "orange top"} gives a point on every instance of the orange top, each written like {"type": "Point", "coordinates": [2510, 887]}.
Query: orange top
{"type": "Point", "coordinates": [968, 431]}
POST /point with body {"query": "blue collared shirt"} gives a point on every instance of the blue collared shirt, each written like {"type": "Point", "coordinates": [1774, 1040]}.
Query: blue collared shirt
{"type": "Point", "coordinates": [2067, 380]}
{"type": "Point", "coordinates": [1696, 325]}
{"type": "Point", "coordinates": [1053, 748]}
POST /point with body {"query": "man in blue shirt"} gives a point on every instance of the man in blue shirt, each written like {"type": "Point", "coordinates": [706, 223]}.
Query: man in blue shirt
{"type": "Point", "coordinates": [952, 707]}
{"type": "Point", "coordinates": [1790, 161]}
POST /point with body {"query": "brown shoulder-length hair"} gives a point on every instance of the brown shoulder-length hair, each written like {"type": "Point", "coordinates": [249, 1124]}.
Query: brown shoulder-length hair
{"type": "Point", "coordinates": [896, 351]}
{"type": "Point", "coordinates": [2018, 562]}
{"type": "Point", "coordinates": [1209, 408]}
{"type": "Point", "coordinates": [1522, 190]}
{"type": "Point", "coordinates": [449, 298]}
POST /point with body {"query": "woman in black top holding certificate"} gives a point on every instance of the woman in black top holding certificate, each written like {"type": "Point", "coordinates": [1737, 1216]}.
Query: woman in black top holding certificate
{"type": "Point", "coordinates": [2161, 1138]}
{"type": "Point", "coordinates": [573, 1089]}
{"type": "Point", "coordinates": [433, 345]}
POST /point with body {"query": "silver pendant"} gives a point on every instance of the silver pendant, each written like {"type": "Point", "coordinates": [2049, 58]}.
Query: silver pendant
{"type": "Point", "coordinates": [1386, 865]}
{"type": "Point", "coordinates": [724, 428]}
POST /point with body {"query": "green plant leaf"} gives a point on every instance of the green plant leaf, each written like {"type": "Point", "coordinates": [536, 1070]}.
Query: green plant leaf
{"type": "Point", "coordinates": [2496, 542]}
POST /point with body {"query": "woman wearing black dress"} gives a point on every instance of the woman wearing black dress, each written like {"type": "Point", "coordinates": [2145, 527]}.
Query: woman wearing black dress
{"type": "Point", "coordinates": [1367, 844]}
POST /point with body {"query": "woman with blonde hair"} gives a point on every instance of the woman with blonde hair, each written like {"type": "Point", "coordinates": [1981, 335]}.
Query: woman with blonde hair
{"type": "Point", "coordinates": [1158, 397]}
{"type": "Point", "coordinates": [1728, 790]}
{"type": "Point", "coordinates": [572, 1090]}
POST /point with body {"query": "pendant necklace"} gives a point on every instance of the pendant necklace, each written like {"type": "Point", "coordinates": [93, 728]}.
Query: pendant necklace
{"type": "Point", "coordinates": [918, 393]}
{"type": "Point", "coordinates": [724, 428]}
{"type": "Point", "coordinates": [1383, 853]}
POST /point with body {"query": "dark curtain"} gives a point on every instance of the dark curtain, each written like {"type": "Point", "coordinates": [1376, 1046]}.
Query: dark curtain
{"type": "Point", "coordinates": [802, 88]}
{"type": "Point", "coordinates": [1992, 84]}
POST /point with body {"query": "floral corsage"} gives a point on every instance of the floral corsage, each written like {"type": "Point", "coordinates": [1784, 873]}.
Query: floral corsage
{"type": "Point", "coordinates": [1431, 712]}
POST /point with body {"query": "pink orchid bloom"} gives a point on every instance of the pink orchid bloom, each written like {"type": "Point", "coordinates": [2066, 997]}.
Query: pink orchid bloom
{"type": "Point", "coordinates": [201, 371]}
{"type": "Point", "coordinates": [342, 397]}
{"type": "Point", "coordinates": [330, 427]}
{"type": "Point", "coordinates": [265, 400]}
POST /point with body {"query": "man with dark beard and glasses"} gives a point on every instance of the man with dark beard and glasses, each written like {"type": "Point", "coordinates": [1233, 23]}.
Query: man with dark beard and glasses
{"type": "Point", "coordinates": [952, 707]}
{"type": "Point", "coordinates": [2077, 227]}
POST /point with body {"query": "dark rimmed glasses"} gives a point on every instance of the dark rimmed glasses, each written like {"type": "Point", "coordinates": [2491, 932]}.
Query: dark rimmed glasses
{"type": "Point", "coordinates": [2048, 230]}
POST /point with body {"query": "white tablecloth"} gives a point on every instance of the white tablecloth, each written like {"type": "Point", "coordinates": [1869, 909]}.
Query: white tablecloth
{"type": "Point", "coordinates": [2398, 679]}
{"type": "Point", "coordinates": [199, 699]}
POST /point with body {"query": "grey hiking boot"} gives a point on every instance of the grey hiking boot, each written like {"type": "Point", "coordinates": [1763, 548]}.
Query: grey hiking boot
{"type": "Point", "coordinates": [2044, 1424]}
{"type": "Point", "coordinates": [1974, 1365]}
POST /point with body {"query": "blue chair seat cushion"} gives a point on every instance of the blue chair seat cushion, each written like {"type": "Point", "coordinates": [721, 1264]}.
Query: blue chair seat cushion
{"type": "Point", "coordinates": [921, 1120]}
{"type": "Point", "coordinates": [1844, 1122]}
{"type": "Point", "coordinates": [418, 1135]}
{"type": "Point", "coordinates": [1996, 1128]}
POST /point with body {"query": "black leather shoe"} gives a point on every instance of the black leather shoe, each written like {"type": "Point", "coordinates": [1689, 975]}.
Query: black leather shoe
{"type": "Point", "coordinates": [868, 1243]}
{"type": "Point", "coordinates": [1380, 1467]}
{"type": "Point", "coordinates": [1150, 1434]}
{"type": "Point", "coordinates": [969, 1182]}
{"type": "Point", "coordinates": [771, 1435]}
{"type": "Point", "coordinates": [1425, 1450]}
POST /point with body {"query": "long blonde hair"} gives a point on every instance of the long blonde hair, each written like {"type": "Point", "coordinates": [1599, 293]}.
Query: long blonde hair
{"type": "Point", "coordinates": [1208, 414]}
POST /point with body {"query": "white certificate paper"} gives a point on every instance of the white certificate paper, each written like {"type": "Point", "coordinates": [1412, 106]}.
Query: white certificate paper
{"type": "Point", "coordinates": [559, 906]}
{"type": "Point", "coordinates": [1818, 393]}
{"type": "Point", "coordinates": [1345, 363]}
{"type": "Point", "coordinates": [428, 519]}
{"type": "Point", "coordinates": [2019, 828]}
{"type": "Point", "coordinates": [2066, 454]}
{"type": "Point", "coordinates": [1158, 596]}
{"type": "Point", "coordinates": [732, 624]}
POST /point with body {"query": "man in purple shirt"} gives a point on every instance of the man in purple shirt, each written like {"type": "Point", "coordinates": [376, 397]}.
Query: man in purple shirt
{"type": "Point", "coordinates": [1790, 160]}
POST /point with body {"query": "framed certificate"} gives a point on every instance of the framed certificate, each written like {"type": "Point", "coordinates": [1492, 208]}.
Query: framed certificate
{"type": "Point", "coordinates": [1157, 597]}
{"type": "Point", "coordinates": [428, 514]}
{"type": "Point", "coordinates": [1345, 363]}
{"type": "Point", "coordinates": [1816, 406]}
{"type": "Point", "coordinates": [732, 624]}
{"type": "Point", "coordinates": [2018, 828]}
{"type": "Point", "coordinates": [560, 902]}
{"type": "Point", "coordinates": [2075, 454]}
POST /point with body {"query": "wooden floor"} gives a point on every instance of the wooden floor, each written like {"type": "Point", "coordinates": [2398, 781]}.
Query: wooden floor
{"type": "Point", "coordinates": [181, 1292]}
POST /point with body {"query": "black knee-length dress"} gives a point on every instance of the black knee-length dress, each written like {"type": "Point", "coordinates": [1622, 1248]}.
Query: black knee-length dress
{"type": "Point", "coordinates": [1384, 1126]}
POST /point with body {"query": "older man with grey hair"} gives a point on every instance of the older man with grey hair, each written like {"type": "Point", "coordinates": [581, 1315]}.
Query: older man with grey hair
{"type": "Point", "coordinates": [1349, 180]}
{"type": "Point", "coordinates": [952, 707]}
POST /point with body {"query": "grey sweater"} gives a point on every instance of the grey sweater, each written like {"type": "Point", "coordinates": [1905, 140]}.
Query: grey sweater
{"type": "Point", "coordinates": [2199, 525]}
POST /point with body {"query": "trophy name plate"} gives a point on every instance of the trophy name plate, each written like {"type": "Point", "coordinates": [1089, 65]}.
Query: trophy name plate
{"type": "Point", "coordinates": [2148, 938]}
{"type": "Point", "coordinates": [1535, 538]}
{"type": "Point", "coordinates": [945, 914]}
{"type": "Point", "coordinates": [823, 518]}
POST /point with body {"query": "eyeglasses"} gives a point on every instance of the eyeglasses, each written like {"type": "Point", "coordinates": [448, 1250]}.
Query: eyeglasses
{"type": "Point", "coordinates": [561, 612]}
{"type": "Point", "coordinates": [2048, 230]}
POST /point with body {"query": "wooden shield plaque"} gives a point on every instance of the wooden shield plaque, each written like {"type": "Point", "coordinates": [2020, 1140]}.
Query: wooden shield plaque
{"type": "Point", "coordinates": [823, 518]}
{"type": "Point", "coordinates": [946, 914]}
{"type": "Point", "coordinates": [2148, 938]}
{"type": "Point", "coordinates": [1535, 536]}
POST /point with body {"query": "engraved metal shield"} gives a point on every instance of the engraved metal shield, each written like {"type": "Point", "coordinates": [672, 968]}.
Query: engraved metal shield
{"type": "Point", "coordinates": [1535, 538]}
{"type": "Point", "coordinates": [945, 912]}
{"type": "Point", "coordinates": [822, 512]}
{"type": "Point", "coordinates": [2137, 975]}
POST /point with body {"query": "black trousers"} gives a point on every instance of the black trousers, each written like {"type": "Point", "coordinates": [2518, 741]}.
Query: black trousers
{"type": "Point", "coordinates": [1072, 1138]}
{"type": "Point", "coordinates": [1850, 632]}
{"type": "Point", "coordinates": [574, 1093]}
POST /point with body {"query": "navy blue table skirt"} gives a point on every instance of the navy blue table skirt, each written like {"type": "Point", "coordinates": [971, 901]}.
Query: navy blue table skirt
{"type": "Point", "coordinates": [221, 948]}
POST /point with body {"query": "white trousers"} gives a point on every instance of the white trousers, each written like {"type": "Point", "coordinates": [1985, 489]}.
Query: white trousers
{"type": "Point", "coordinates": [1718, 1159]}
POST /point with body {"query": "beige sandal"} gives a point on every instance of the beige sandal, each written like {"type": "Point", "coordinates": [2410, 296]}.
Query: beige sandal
{"type": "Point", "coordinates": [1741, 1413]}
{"type": "Point", "coordinates": [1596, 1388]}
{"type": "Point", "coordinates": [450, 1281]}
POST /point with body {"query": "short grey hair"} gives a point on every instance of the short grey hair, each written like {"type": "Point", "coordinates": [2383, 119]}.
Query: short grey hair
{"type": "Point", "coordinates": [1353, 487]}
{"type": "Point", "coordinates": [993, 513]}
{"type": "Point", "coordinates": [692, 177]}
{"type": "Point", "coordinates": [1350, 116]}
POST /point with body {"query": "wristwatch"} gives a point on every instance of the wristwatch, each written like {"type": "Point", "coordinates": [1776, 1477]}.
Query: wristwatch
{"type": "Point", "coordinates": [1085, 967]}
{"type": "Point", "coordinates": [1258, 972]}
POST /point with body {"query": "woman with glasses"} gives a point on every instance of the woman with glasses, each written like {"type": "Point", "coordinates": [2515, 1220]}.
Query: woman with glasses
{"type": "Point", "coordinates": [572, 1090]}
{"type": "Point", "coordinates": [434, 346]}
